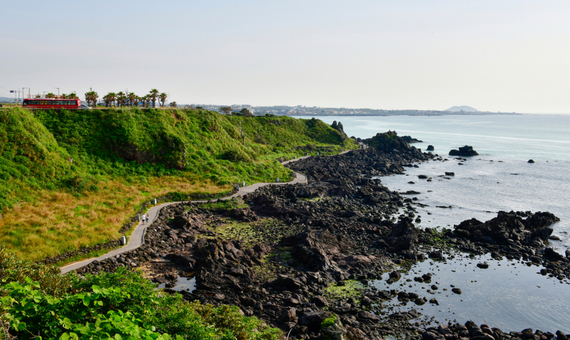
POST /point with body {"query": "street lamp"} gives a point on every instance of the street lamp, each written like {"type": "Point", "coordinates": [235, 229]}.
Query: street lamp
{"type": "Point", "coordinates": [23, 94]}
{"type": "Point", "coordinates": [57, 91]}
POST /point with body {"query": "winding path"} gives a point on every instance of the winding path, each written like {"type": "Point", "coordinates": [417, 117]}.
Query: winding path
{"type": "Point", "coordinates": [137, 237]}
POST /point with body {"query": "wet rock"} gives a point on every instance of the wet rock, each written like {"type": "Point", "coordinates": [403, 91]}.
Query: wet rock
{"type": "Point", "coordinates": [465, 151]}
{"type": "Point", "coordinates": [552, 254]}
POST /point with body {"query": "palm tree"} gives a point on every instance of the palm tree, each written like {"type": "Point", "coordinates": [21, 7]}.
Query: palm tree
{"type": "Point", "coordinates": [91, 98]}
{"type": "Point", "coordinates": [145, 101]}
{"type": "Point", "coordinates": [110, 99]}
{"type": "Point", "coordinates": [121, 99]}
{"type": "Point", "coordinates": [113, 98]}
{"type": "Point", "coordinates": [153, 94]}
{"type": "Point", "coordinates": [132, 98]}
{"type": "Point", "coordinates": [162, 98]}
{"type": "Point", "coordinates": [72, 95]}
{"type": "Point", "coordinates": [50, 95]}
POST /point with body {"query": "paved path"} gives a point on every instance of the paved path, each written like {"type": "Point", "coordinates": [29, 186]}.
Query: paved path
{"type": "Point", "coordinates": [137, 237]}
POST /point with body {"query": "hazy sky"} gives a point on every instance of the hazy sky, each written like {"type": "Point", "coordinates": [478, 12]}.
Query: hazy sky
{"type": "Point", "coordinates": [494, 55]}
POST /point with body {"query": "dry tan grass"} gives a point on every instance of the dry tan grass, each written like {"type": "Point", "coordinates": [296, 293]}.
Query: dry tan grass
{"type": "Point", "coordinates": [58, 221]}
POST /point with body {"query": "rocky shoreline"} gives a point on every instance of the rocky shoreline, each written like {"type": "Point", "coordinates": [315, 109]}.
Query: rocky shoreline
{"type": "Point", "coordinates": [300, 257]}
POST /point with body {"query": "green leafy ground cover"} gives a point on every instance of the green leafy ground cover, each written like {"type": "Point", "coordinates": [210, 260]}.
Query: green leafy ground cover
{"type": "Point", "coordinates": [37, 302]}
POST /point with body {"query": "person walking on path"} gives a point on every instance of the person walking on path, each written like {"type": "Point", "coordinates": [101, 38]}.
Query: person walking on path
{"type": "Point", "coordinates": [146, 218]}
{"type": "Point", "coordinates": [143, 218]}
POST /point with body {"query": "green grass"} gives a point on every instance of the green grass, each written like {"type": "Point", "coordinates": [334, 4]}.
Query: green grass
{"type": "Point", "coordinates": [70, 179]}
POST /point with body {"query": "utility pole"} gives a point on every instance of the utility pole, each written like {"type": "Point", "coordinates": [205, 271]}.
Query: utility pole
{"type": "Point", "coordinates": [57, 91]}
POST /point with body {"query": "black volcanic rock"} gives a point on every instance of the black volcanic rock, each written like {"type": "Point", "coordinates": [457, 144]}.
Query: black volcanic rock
{"type": "Point", "coordinates": [463, 151]}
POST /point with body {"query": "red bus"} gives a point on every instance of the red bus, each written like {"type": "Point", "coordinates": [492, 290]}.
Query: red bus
{"type": "Point", "coordinates": [52, 103]}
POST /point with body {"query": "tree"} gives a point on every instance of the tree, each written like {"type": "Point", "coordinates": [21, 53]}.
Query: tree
{"type": "Point", "coordinates": [173, 104]}
{"type": "Point", "coordinates": [109, 99]}
{"type": "Point", "coordinates": [91, 98]}
{"type": "Point", "coordinates": [50, 95]}
{"type": "Point", "coordinates": [146, 100]}
{"type": "Point", "coordinates": [226, 109]}
{"type": "Point", "coordinates": [113, 98]}
{"type": "Point", "coordinates": [72, 95]}
{"type": "Point", "coordinates": [132, 99]}
{"type": "Point", "coordinates": [121, 99]}
{"type": "Point", "coordinates": [153, 94]}
{"type": "Point", "coordinates": [246, 112]}
{"type": "Point", "coordinates": [162, 98]}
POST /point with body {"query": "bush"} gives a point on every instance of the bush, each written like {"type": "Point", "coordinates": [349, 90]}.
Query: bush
{"type": "Point", "coordinates": [121, 304]}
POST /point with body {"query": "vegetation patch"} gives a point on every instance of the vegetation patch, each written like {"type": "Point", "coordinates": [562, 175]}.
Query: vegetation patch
{"type": "Point", "coordinates": [264, 231]}
{"type": "Point", "coordinates": [70, 179]}
{"type": "Point", "coordinates": [328, 322]}
{"type": "Point", "coordinates": [266, 271]}
{"type": "Point", "coordinates": [37, 301]}
{"type": "Point", "coordinates": [222, 205]}
{"type": "Point", "coordinates": [344, 290]}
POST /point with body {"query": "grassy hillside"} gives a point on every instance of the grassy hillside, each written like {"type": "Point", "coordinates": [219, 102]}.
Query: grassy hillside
{"type": "Point", "coordinates": [70, 179]}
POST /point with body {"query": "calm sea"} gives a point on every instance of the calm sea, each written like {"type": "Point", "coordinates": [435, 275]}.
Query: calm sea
{"type": "Point", "coordinates": [500, 178]}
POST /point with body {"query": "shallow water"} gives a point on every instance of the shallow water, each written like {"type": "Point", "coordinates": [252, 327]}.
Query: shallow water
{"type": "Point", "coordinates": [509, 294]}
{"type": "Point", "coordinates": [483, 186]}
{"type": "Point", "coordinates": [183, 283]}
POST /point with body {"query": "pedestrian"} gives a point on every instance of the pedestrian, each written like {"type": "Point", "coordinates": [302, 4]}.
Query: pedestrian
{"type": "Point", "coordinates": [146, 218]}
{"type": "Point", "coordinates": [143, 218]}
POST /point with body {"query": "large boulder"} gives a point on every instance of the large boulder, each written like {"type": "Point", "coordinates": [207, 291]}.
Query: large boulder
{"type": "Point", "coordinates": [315, 249]}
{"type": "Point", "coordinates": [463, 151]}
{"type": "Point", "coordinates": [404, 235]}
{"type": "Point", "coordinates": [508, 227]}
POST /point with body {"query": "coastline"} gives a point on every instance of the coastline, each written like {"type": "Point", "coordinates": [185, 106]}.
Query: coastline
{"type": "Point", "coordinates": [338, 229]}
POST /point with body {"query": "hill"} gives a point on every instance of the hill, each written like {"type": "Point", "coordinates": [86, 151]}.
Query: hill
{"type": "Point", "coordinates": [70, 179]}
{"type": "Point", "coordinates": [463, 108]}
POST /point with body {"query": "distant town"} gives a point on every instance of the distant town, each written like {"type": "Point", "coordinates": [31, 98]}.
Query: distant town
{"type": "Point", "coordinates": [300, 110]}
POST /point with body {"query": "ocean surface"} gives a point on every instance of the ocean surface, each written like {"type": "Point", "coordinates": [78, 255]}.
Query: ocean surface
{"type": "Point", "coordinates": [500, 178]}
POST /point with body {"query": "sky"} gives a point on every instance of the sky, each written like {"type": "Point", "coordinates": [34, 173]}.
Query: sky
{"type": "Point", "coordinates": [493, 55]}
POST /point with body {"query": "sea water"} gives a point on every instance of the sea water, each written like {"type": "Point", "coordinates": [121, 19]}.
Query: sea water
{"type": "Point", "coordinates": [500, 178]}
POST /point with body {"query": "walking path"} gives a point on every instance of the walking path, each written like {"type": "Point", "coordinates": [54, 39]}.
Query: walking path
{"type": "Point", "coordinates": [137, 237]}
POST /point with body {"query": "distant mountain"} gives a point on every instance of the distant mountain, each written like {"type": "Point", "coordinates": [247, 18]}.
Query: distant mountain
{"type": "Point", "coordinates": [463, 108]}
{"type": "Point", "coordinates": [6, 100]}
